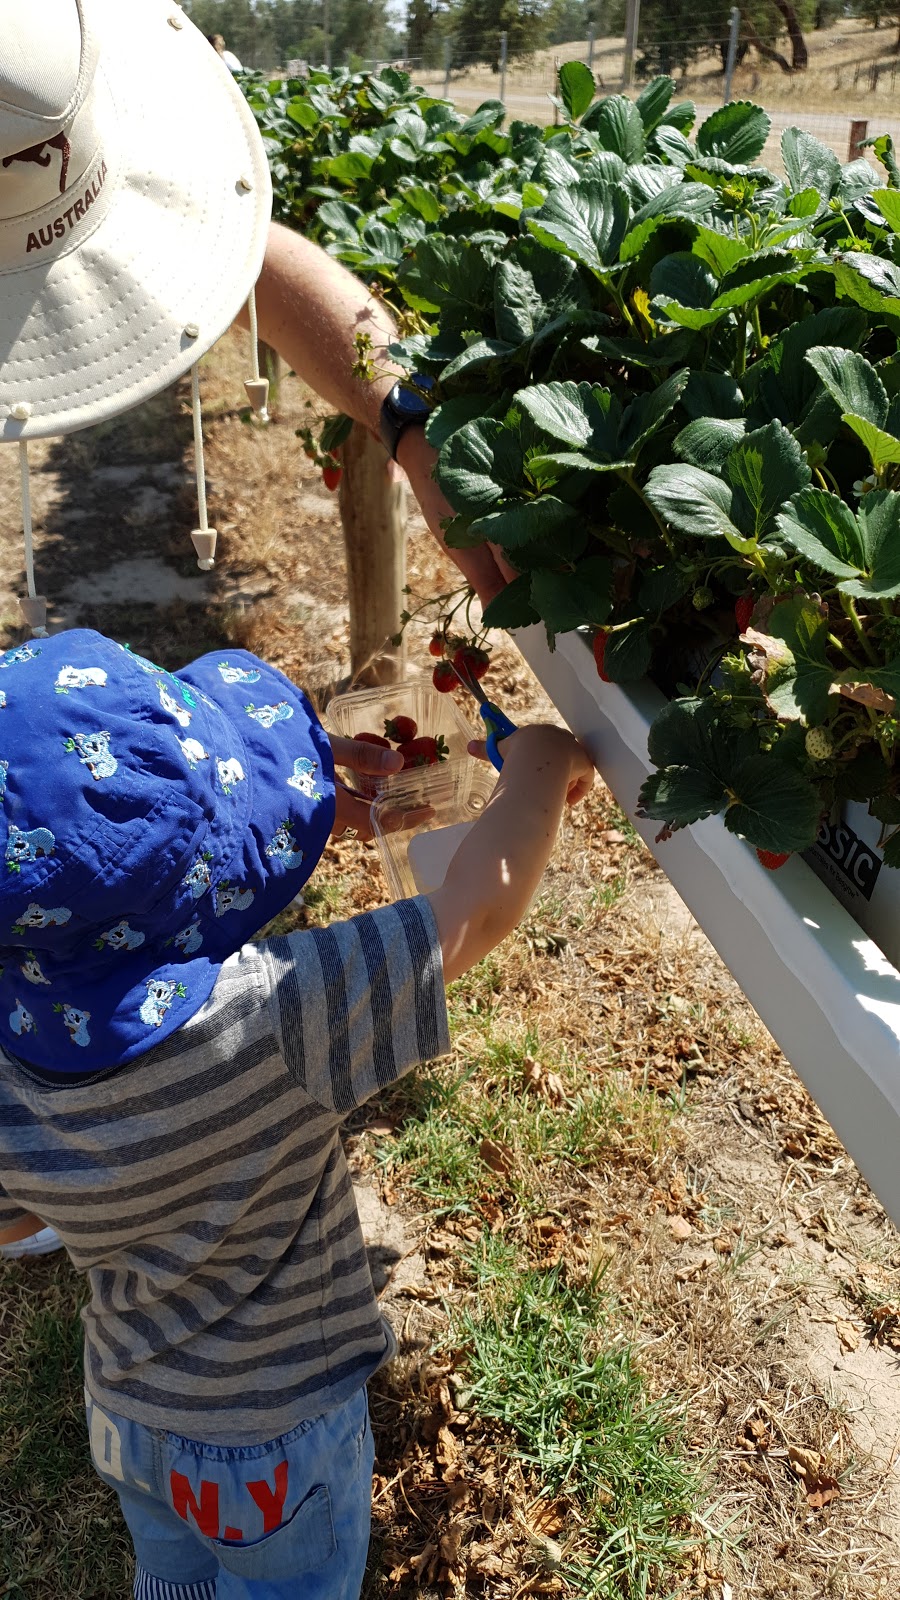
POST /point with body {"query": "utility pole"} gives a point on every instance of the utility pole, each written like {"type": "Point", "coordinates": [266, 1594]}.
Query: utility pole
{"type": "Point", "coordinates": [448, 56]}
{"type": "Point", "coordinates": [632, 24]}
{"type": "Point", "coordinates": [326, 32]}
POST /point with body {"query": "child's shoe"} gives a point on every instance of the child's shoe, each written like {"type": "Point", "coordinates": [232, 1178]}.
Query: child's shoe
{"type": "Point", "coordinates": [36, 1244]}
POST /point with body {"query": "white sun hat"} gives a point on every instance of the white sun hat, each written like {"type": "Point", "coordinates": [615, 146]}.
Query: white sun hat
{"type": "Point", "coordinates": [134, 207]}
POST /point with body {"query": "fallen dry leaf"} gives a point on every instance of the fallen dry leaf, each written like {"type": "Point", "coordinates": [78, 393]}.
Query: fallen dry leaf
{"type": "Point", "coordinates": [847, 1333]}
{"type": "Point", "coordinates": [680, 1228]}
{"type": "Point", "coordinates": [821, 1488]}
{"type": "Point", "coordinates": [539, 1081]}
{"type": "Point", "coordinates": [498, 1157]}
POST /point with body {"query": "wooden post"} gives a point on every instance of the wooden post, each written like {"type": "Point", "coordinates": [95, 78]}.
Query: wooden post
{"type": "Point", "coordinates": [859, 130]}
{"type": "Point", "coordinates": [373, 512]}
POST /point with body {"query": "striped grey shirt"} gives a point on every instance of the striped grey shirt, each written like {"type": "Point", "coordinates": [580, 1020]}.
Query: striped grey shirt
{"type": "Point", "coordinates": [204, 1190]}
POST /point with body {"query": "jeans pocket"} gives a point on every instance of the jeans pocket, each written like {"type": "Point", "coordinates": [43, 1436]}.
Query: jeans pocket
{"type": "Point", "coordinates": [302, 1544]}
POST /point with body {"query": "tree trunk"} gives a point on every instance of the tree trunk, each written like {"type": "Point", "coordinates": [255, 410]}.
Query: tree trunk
{"type": "Point", "coordinates": [373, 512]}
{"type": "Point", "coordinates": [799, 52]}
{"type": "Point", "coordinates": [765, 50]}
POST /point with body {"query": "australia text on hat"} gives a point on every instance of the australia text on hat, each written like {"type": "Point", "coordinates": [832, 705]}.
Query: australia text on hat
{"type": "Point", "coordinates": [60, 225]}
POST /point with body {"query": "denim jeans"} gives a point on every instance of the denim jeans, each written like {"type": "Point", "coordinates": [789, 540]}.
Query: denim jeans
{"type": "Point", "coordinates": [272, 1521]}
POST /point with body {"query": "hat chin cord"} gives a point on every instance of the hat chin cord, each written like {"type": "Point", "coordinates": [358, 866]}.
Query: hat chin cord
{"type": "Point", "coordinates": [257, 388]}
{"type": "Point", "coordinates": [33, 605]}
{"type": "Point", "coordinates": [204, 537]}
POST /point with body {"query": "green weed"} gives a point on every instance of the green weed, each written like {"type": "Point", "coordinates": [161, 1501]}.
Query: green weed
{"type": "Point", "coordinates": [60, 1526]}
{"type": "Point", "coordinates": [545, 1358]}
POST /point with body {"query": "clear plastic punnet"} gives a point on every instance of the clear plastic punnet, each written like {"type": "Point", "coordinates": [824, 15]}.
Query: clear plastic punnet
{"type": "Point", "coordinates": [367, 710]}
{"type": "Point", "coordinates": [429, 805]}
{"type": "Point", "coordinates": [421, 819]}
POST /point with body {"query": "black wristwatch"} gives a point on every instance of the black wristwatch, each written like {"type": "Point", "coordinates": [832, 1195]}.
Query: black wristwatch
{"type": "Point", "coordinates": [403, 408]}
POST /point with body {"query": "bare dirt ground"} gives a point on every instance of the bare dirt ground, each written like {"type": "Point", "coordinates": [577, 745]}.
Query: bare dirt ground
{"type": "Point", "coordinates": [756, 1275]}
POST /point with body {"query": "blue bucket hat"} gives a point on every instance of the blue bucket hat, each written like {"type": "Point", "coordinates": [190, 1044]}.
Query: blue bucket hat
{"type": "Point", "coordinates": [151, 822]}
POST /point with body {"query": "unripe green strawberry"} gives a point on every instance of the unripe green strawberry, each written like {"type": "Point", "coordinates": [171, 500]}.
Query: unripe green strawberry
{"type": "Point", "coordinates": [702, 598]}
{"type": "Point", "coordinates": [819, 744]}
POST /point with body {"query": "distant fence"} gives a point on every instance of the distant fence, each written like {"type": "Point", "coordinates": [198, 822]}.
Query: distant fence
{"type": "Point", "coordinates": [850, 67]}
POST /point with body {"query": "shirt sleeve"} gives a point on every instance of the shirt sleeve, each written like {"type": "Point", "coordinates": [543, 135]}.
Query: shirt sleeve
{"type": "Point", "coordinates": [359, 1003]}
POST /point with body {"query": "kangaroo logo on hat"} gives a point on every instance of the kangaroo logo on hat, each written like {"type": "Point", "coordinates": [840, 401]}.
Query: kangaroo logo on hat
{"type": "Point", "coordinates": [40, 155]}
{"type": "Point", "coordinates": [109, 176]}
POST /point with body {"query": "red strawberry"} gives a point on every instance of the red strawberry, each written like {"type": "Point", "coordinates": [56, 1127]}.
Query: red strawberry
{"type": "Point", "coordinates": [773, 859]}
{"type": "Point", "coordinates": [743, 611]}
{"type": "Point", "coordinates": [436, 645]}
{"type": "Point", "coordinates": [444, 678]}
{"type": "Point", "coordinates": [331, 477]}
{"type": "Point", "coordinates": [471, 661]}
{"type": "Point", "coordinates": [423, 752]}
{"type": "Point", "coordinates": [601, 638]}
{"type": "Point", "coordinates": [372, 738]}
{"type": "Point", "coordinates": [400, 729]}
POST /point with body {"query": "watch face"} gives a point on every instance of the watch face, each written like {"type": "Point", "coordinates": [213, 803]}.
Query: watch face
{"type": "Point", "coordinates": [407, 404]}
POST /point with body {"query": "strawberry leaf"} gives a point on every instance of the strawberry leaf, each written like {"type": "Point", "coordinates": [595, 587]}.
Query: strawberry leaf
{"type": "Point", "coordinates": [521, 521]}
{"type": "Point", "coordinates": [695, 502]}
{"type": "Point", "coordinates": [708, 442]}
{"type": "Point", "coordinates": [852, 382]}
{"type": "Point", "coordinates": [765, 469]}
{"type": "Point", "coordinates": [567, 600]}
{"type": "Point", "coordinates": [822, 527]}
{"type": "Point", "coordinates": [645, 415]}
{"type": "Point", "coordinates": [628, 652]}
{"type": "Point", "coordinates": [586, 222]}
{"type": "Point", "coordinates": [791, 657]}
{"type": "Point", "coordinates": [576, 86]}
{"type": "Point", "coordinates": [616, 124]}
{"type": "Point", "coordinates": [653, 101]}
{"type": "Point", "coordinates": [879, 521]}
{"type": "Point", "coordinates": [774, 806]}
{"type": "Point", "coordinates": [512, 607]}
{"type": "Point", "coordinates": [736, 132]}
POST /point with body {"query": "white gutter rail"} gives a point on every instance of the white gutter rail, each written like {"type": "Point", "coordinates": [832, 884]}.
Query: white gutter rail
{"type": "Point", "coordinates": [825, 991]}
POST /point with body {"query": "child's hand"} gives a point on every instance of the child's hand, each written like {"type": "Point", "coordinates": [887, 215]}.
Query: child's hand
{"type": "Point", "coordinates": [353, 810]}
{"type": "Point", "coordinates": [562, 746]}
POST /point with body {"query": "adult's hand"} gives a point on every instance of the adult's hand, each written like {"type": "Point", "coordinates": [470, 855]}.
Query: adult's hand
{"type": "Point", "coordinates": [352, 809]}
{"type": "Point", "coordinates": [484, 567]}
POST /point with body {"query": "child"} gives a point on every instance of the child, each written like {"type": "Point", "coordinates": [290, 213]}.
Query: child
{"type": "Point", "coordinates": [171, 1096]}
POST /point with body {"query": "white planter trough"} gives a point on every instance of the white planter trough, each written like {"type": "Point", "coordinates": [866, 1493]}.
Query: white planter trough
{"type": "Point", "coordinates": [824, 989]}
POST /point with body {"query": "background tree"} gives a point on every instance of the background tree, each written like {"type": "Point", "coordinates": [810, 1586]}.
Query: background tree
{"type": "Point", "coordinates": [675, 32]}
{"type": "Point", "coordinates": [477, 25]}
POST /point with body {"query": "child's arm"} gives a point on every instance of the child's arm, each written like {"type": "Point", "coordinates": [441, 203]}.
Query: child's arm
{"type": "Point", "coordinates": [23, 1229]}
{"type": "Point", "coordinates": [498, 866]}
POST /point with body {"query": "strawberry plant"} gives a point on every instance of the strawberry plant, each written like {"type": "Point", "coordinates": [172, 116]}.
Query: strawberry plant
{"type": "Point", "coordinates": [666, 383]}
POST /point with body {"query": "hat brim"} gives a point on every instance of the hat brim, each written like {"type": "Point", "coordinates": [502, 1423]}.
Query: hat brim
{"type": "Point", "coordinates": [96, 323]}
{"type": "Point", "coordinates": [272, 809]}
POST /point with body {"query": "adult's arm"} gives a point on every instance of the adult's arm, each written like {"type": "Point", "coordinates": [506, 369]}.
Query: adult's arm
{"type": "Point", "coordinates": [310, 309]}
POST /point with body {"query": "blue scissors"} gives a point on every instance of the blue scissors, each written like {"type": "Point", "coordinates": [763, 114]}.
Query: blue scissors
{"type": "Point", "coordinates": [498, 725]}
